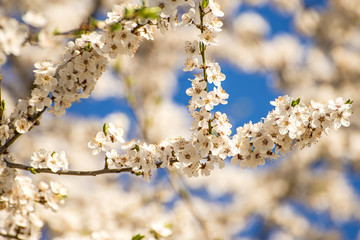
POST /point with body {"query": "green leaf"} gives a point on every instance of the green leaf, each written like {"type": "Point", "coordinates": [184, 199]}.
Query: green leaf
{"type": "Point", "coordinates": [2, 105]}
{"type": "Point", "coordinates": [78, 33]}
{"type": "Point", "coordinates": [56, 32]}
{"type": "Point", "coordinates": [115, 27]}
{"type": "Point", "coordinates": [137, 147]}
{"type": "Point", "coordinates": [149, 12]}
{"type": "Point", "coordinates": [349, 101]}
{"type": "Point", "coordinates": [204, 4]}
{"type": "Point", "coordinates": [33, 171]}
{"type": "Point", "coordinates": [138, 237]}
{"type": "Point", "coordinates": [88, 47]}
{"type": "Point", "coordinates": [93, 22]}
{"type": "Point", "coordinates": [105, 129]}
{"type": "Point", "coordinates": [295, 102]}
{"type": "Point", "coordinates": [138, 173]}
{"type": "Point", "coordinates": [129, 13]}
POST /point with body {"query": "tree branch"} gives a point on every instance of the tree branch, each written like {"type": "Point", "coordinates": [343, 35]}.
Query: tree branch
{"type": "Point", "coordinates": [10, 141]}
{"type": "Point", "coordinates": [76, 173]}
{"type": "Point", "coordinates": [9, 236]}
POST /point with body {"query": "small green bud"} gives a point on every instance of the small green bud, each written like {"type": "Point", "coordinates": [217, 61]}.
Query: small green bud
{"type": "Point", "coordinates": [138, 173]}
{"type": "Point", "coordinates": [149, 12]}
{"type": "Point", "coordinates": [204, 4]}
{"type": "Point", "coordinates": [88, 47]}
{"type": "Point", "coordinates": [2, 105]}
{"type": "Point", "coordinates": [115, 27]}
{"type": "Point", "coordinates": [349, 101]}
{"type": "Point", "coordinates": [33, 171]}
{"type": "Point", "coordinates": [56, 31]}
{"type": "Point", "coordinates": [78, 33]}
{"type": "Point", "coordinates": [137, 148]}
{"type": "Point", "coordinates": [93, 22]}
{"type": "Point", "coordinates": [137, 237]}
{"type": "Point", "coordinates": [105, 129]}
{"type": "Point", "coordinates": [129, 13]}
{"type": "Point", "coordinates": [295, 102]}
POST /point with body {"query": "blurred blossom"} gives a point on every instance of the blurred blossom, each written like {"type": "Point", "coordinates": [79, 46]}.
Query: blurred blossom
{"type": "Point", "coordinates": [316, 62]}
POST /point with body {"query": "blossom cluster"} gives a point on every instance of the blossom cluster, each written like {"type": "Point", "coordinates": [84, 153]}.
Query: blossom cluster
{"type": "Point", "coordinates": [52, 160]}
{"type": "Point", "coordinates": [57, 86]}
{"type": "Point", "coordinates": [18, 215]}
{"type": "Point", "coordinates": [290, 124]}
{"type": "Point", "coordinates": [84, 60]}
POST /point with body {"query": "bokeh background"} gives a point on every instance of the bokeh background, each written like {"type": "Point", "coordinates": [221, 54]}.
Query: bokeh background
{"type": "Point", "coordinates": [303, 48]}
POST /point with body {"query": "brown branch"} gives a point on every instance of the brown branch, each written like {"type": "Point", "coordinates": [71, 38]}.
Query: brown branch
{"type": "Point", "coordinates": [9, 236]}
{"type": "Point", "coordinates": [11, 140]}
{"type": "Point", "coordinates": [76, 173]}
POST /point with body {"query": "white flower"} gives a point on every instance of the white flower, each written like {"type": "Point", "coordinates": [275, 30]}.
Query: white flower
{"type": "Point", "coordinates": [201, 119]}
{"type": "Point", "coordinates": [190, 64]}
{"type": "Point", "coordinates": [94, 39]}
{"type": "Point", "coordinates": [39, 99]}
{"type": "Point", "coordinates": [215, 8]}
{"type": "Point", "coordinates": [39, 159]}
{"type": "Point", "coordinates": [341, 118]}
{"type": "Point", "coordinates": [197, 90]}
{"type": "Point", "coordinates": [12, 35]}
{"type": "Point", "coordinates": [114, 159]}
{"type": "Point", "coordinates": [208, 37]}
{"type": "Point", "coordinates": [58, 189]}
{"type": "Point", "coordinates": [213, 23]}
{"type": "Point", "coordinates": [338, 104]}
{"type": "Point", "coordinates": [167, 7]}
{"type": "Point", "coordinates": [188, 17]}
{"type": "Point", "coordinates": [117, 14]}
{"type": "Point", "coordinates": [47, 82]}
{"type": "Point", "coordinates": [57, 161]}
{"type": "Point", "coordinates": [22, 126]}
{"type": "Point", "coordinates": [162, 229]}
{"type": "Point", "coordinates": [98, 143]}
{"type": "Point", "coordinates": [220, 94]}
{"type": "Point", "coordinates": [44, 159]}
{"type": "Point", "coordinates": [84, 62]}
{"type": "Point", "coordinates": [192, 170]}
{"type": "Point", "coordinates": [4, 133]}
{"type": "Point", "coordinates": [45, 68]}
{"type": "Point", "coordinates": [192, 48]}
{"type": "Point", "coordinates": [222, 125]}
{"type": "Point", "coordinates": [189, 155]}
{"type": "Point", "coordinates": [204, 143]}
{"type": "Point", "coordinates": [115, 133]}
{"type": "Point", "coordinates": [214, 73]}
{"type": "Point", "coordinates": [282, 104]}
{"type": "Point", "coordinates": [35, 19]}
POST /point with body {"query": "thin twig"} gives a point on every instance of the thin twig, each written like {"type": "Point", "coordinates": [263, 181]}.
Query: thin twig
{"type": "Point", "coordinates": [10, 141]}
{"type": "Point", "coordinates": [185, 195]}
{"type": "Point", "coordinates": [9, 236]}
{"type": "Point", "coordinates": [74, 172]}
